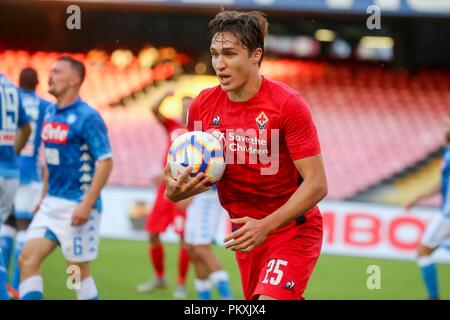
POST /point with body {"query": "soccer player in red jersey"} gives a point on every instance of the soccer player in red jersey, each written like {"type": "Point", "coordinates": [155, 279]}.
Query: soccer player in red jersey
{"type": "Point", "coordinates": [275, 174]}
{"type": "Point", "coordinates": [165, 212]}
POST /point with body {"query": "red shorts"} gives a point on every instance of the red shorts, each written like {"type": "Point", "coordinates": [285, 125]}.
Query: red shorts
{"type": "Point", "coordinates": [163, 213]}
{"type": "Point", "coordinates": [282, 265]}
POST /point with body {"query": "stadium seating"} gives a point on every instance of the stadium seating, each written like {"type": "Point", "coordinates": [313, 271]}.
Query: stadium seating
{"type": "Point", "coordinates": [372, 122]}
{"type": "Point", "coordinates": [404, 188]}
{"type": "Point", "coordinates": [105, 84]}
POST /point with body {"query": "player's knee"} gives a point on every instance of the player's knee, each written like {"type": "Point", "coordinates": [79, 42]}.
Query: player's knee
{"type": "Point", "coordinates": [154, 239]}
{"type": "Point", "coordinates": [198, 253]}
{"type": "Point", "coordinates": [28, 263]}
{"type": "Point", "coordinates": [192, 252]}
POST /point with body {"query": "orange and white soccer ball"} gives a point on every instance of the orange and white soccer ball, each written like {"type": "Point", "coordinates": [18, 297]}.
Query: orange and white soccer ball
{"type": "Point", "coordinates": [199, 150]}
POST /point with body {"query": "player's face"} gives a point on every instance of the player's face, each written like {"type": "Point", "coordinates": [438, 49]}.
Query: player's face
{"type": "Point", "coordinates": [233, 64]}
{"type": "Point", "coordinates": [62, 77]}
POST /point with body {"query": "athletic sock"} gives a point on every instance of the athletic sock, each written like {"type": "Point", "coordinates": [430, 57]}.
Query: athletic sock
{"type": "Point", "coordinates": [429, 276]}
{"type": "Point", "coordinates": [32, 288]}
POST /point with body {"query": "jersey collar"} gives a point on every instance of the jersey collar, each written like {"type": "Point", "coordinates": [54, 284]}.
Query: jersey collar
{"type": "Point", "coordinates": [70, 106]}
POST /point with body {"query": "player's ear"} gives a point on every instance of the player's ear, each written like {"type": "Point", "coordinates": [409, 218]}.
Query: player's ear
{"type": "Point", "coordinates": [257, 55]}
{"type": "Point", "coordinates": [76, 79]}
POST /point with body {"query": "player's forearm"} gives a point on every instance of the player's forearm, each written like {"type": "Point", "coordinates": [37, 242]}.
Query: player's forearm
{"type": "Point", "coordinates": [22, 138]}
{"type": "Point", "coordinates": [156, 107]}
{"type": "Point", "coordinates": [102, 172]}
{"type": "Point", "coordinates": [45, 181]}
{"type": "Point", "coordinates": [306, 197]}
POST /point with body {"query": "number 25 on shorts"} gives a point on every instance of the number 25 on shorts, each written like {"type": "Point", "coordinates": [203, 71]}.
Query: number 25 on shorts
{"type": "Point", "coordinates": [274, 274]}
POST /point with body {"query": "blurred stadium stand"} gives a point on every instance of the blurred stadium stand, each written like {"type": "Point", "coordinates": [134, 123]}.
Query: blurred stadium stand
{"type": "Point", "coordinates": [373, 123]}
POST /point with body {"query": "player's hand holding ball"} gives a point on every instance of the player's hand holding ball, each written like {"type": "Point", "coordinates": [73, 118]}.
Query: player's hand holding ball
{"type": "Point", "coordinates": [195, 162]}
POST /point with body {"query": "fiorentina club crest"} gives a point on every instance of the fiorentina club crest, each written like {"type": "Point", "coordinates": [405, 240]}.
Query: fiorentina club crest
{"type": "Point", "coordinates": [262, 120]}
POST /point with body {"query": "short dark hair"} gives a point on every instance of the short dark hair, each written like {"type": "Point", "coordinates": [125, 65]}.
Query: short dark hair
{"type": "Point", "coordinates": [28, 79]}
{"type": "Point", "coordinates": [249, 28]}
{"type": "Point", "coordinates": [77, 65]}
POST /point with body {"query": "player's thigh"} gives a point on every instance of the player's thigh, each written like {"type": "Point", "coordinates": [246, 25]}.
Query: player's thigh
{"type": "Point", "coordinates": [200, 252]}
{"type": "Point", "coordinates": [437, 232]}
{"type": "Point", "coordinates": [35, 251]}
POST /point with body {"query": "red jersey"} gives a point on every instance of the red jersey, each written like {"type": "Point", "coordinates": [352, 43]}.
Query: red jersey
{"type": "Point", "coordinates": [276, 116]}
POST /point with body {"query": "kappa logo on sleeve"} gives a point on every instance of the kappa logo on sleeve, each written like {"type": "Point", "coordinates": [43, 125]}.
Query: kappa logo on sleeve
{"type": "Point", "coordinates": [54, 132]}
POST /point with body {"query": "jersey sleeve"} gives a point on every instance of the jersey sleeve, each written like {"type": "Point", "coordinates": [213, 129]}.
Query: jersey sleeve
{"type": "Point", "coordinates": [193, 114]}
{"type": "Point", "coordinates": [95, 134]}
{"type": "Point", "coordinates": [299, 129]}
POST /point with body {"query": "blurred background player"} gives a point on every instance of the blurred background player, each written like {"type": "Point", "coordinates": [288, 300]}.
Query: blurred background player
{"type": "Point", "coordinates": [165, 212]}
{"type": "Point", "coordinates": [438, 231]}
{"type": "Point", "coordinates": [30, 188]}
{"type": "Point", "coordinates": [203, 218]}
{"type": "Point", "coordinates": [12, 119]}
{"type": "Point", "coordinates": [277, 225]}
{"type": "Point", "coordinates": [79, 160]}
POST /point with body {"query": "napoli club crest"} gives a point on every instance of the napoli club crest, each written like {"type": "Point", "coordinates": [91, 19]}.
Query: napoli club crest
{"type": "Point", "coordinates": [261, 120]}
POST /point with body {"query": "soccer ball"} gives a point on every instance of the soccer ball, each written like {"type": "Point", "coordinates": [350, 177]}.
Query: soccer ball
{"type": "Point", "coordinates": [200, 150]}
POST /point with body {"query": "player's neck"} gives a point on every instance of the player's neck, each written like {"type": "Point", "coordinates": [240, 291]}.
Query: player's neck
{"type": "Point", "coordinates": [67, 99]}
{"type": "Point", "coordinates": [248, 91]}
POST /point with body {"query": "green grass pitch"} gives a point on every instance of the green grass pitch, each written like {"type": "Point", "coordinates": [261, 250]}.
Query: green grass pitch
{"type": "Point", "coordinates": [122, 264]}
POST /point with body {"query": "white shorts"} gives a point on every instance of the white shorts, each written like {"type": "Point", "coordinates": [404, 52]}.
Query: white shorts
{"type": "Point", "coordinates": [27, 198]}
{"type": "Point", "coordinates": [203, 217]}
{"type": "Point", "coordinates": [53, 221]}
{"type": "Point", "coordinates": [437, 232]}
{"type": "Point", "coordinates": [8, 189]}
